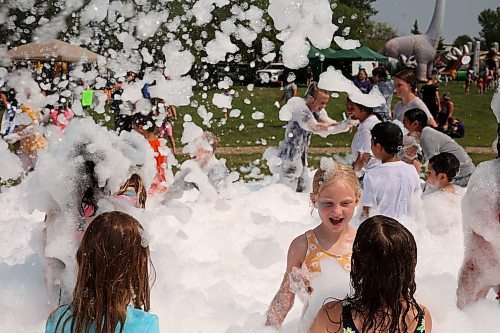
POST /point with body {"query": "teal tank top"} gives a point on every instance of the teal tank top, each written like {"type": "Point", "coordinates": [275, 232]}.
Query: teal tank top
{"type": "Point", "coordinates": [137, 321]}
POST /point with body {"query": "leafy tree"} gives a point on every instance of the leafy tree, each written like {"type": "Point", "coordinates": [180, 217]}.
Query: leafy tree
{"type": "Point", "coordinates": [377, 34]}
{"type": "Point", "coordinates": [462, 40]}
{"type": "Point", "coordinates": [415, 29]}
{"type": "Point", "coordinates": [489, 19]}
{"type": "Point", "coordinates": [352, 16]}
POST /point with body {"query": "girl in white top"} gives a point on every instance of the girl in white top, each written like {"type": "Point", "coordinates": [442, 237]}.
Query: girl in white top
{"type": "Point", "coordinates": [405, 85]}
{"type": "Point", "coordinates": [361, 143]}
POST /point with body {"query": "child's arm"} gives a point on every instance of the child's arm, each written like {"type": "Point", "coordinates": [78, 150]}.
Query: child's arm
{"type": "Point", "coordinates": [283, 300]}
{"type": "Point", "coordinates": [323, 118]}
{"type": "Point", "coordinates": [368, 199]}
{"type": "Point", "coordinates": [361, 161]}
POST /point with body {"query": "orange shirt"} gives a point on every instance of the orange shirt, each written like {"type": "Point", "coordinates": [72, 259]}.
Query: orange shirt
{"type": "Point", "coordinates": [161, 160]}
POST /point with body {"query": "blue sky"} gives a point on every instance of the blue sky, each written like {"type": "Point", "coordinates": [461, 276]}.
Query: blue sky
{"type": "Point", "coordinates": [460, 17]}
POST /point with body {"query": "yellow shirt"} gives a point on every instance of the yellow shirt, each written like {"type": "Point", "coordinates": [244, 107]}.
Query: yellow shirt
{"type": "Point", "coordinates": [315, 254]}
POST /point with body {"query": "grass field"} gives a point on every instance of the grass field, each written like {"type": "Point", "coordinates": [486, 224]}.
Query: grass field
{"type": "Point", "coordinates": [473, 110]}
{"type": "Point", "coordinates": [243, 131]}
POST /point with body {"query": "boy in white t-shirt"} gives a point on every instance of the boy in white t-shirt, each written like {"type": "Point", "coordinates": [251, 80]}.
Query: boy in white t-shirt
{"type": "Point", "coordinates": [391, 187]}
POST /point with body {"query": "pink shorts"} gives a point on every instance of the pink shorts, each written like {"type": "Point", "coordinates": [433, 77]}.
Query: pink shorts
{"type": "Point", "coordinates": [168, 128]}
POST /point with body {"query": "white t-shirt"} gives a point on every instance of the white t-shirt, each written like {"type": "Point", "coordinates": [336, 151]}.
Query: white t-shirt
{"type": "Point", "coordinates": [416, 103]}
{"type": "Point", "coordinates": [362, 141]}
{"type": "Point", "coordinates": [391, 189]}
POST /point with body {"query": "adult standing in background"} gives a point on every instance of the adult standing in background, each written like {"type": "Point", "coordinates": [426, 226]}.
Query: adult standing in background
{"type": "Point", "coordinates": [362, 81]}
{"type": "Point", "coordinates": [405, 86]}
{"type": "Point", "coordinates": [430, 95]}
{"type": "Point", "coordinates": [309, 75]}
{"type": "Point", "coordinates": [290, 89]}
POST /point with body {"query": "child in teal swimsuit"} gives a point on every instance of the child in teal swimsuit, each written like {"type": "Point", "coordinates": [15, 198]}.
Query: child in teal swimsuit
{"type": "Point", "coordinates": [112, 291]}
{"type": "Point", "coordinates": [383, 265]}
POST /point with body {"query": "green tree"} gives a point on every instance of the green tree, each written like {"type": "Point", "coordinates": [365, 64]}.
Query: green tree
{"type": "Point", "coordinates": [377, 34]}
{"type": "Point", "coordinates": [352, 17]}
{"type": "Point", "coordinates": [462, 40]}
{"type": "Point", "coordinates": [415, 29]}
{"type": "Point", "coordinates": [489, 19]}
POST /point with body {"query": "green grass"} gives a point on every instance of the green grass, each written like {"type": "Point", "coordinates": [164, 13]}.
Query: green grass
{"type": "Point", "coordinates": [473, 110]}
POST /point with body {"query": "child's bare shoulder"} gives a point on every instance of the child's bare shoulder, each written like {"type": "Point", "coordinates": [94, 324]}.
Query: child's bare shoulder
{"type": "Point", "coordinates": [297, 252]}
{"type": "Point", "coordinates": [299, 243]}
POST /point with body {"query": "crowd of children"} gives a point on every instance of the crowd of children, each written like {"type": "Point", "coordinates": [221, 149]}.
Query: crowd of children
{"type": "Point", "coordinates": [111, 289]}
{"type": "Point", "coordinates": [383, 253]}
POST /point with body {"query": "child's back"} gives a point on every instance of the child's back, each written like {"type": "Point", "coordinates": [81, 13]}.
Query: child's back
{"type": "Point", "coordinates": [390, 188]}
{"type": "Point", "coordinates": [137, 321]}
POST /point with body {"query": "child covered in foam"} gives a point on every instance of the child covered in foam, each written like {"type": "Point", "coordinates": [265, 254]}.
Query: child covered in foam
{"type": "Point", "coordinates": [441, 198]}
{"type": "Point", "coordinates": [481, 225]}
{"type": "Point", "coordinates": [203, 171]}
{"type": "Point", "coordinates": [322, 253]}
{"type": "Point", "coordinates": [68, 184]}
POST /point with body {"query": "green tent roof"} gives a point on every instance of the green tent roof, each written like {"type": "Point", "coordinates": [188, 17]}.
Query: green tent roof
{"type": "Point", "coordinates": [361, 53]}
{"type": "Point", "coordinates": [315, 53]}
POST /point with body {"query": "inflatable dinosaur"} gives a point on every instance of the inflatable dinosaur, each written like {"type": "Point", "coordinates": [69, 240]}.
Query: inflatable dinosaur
{"type": "Point", "coordinates": [422, 48]}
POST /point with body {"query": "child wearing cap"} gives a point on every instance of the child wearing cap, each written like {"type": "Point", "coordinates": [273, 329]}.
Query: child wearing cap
{"type": "Point", "coordinates": [391, 187]}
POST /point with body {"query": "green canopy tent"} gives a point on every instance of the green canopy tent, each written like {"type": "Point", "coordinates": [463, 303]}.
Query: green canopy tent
{"type": "Point", "coordinates": [344, 59]}
{"type": "Point", "coordinates": [319, 59]}
{"type": "Point", "coordinates": [363, 53]}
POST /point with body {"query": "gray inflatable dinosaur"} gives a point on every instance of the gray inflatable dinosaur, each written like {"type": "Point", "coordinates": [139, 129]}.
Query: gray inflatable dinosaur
{"type": "Point", "coordinates": [422, 48]}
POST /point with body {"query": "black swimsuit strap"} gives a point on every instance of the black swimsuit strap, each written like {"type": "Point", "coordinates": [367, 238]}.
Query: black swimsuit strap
{"type": "Point", "coordinates": [421, 322]}
{"type": "Point", "coordinates": [347, 321]}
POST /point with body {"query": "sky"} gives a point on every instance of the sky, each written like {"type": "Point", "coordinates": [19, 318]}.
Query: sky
{"type": "Point", "coordinates": [460, 17]}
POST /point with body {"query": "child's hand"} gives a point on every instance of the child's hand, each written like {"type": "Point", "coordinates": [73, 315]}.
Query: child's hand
{"type": "Point", "coordinates": [411, 150]}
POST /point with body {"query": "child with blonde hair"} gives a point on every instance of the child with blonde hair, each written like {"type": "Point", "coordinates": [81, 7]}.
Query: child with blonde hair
{"type": "Point", "coordinates": [133, 191]}
{"type": "Point", "coordinates": [112, 292]}
{"type": "Point", "coordinates": [335, 194]}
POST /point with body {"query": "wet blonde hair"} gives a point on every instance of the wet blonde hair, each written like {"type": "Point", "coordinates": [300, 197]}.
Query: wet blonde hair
{"type": "Point", "coordinates": [135, 181]}
{"type": "Point", "coordinates": [212, 139]}
{"type": "Point", "coordinates": [340, 173]}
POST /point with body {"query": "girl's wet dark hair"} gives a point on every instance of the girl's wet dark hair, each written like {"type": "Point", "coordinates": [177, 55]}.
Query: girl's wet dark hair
{"type": "Point", "coordinates": [113, 272]}
{"type": "Point", "coordinates": [89, 197]}
{"type": "Point", "coordinates": [408, 76]}
{"type": "Point", "coordinates": [383, 275]}
{"type": "Point", "coordinates": [416, 115]}
{"type": "Point", "coordinates": [446, 163]}
{"type": "Point", "coordinates": [144, 121]}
